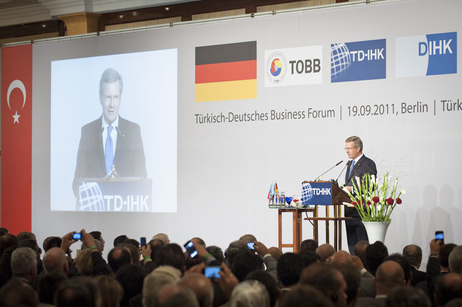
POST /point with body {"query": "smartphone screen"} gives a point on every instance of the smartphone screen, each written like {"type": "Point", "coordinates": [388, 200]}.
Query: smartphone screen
{"type": "Point", "coordinates": [251, 245]}
{"type": "Point", "coordinates": [143, 241]}
{"type": "Point", "coordinates": [212, 272]}
{"type": "Point", "coordinates": [190, 248]}
{"type": "Point", "coordinates": [439, 235]}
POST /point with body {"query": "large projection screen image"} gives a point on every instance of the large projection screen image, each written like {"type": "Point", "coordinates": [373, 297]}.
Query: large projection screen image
{"type": "Point", "coordinates": [137, 92]}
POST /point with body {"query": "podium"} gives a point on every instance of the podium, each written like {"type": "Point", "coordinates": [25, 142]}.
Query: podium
{"type": "Point", "coordinates": [316, 194]}
{"type": "Point", "coordinates": [120, 194]}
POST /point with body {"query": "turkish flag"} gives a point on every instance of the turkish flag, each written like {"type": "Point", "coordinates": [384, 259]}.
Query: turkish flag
{"type": "Point", "coordinates": [16, 136]}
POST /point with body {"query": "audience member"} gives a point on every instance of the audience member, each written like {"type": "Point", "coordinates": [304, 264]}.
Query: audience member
{"type": "Point", "coordinates": [413, 253]}
{"type": "Point", "coordinates": [455, 260]}
{"type": "Point", "coordinates": [353, 280]}
{"type": "Point", "coordinates": [289, 268]}
{"type": "Point", "coordinates": [216, 252]}
{"type": "Point", "coordinates": [447, 288]}
{"type": "Point", "coordinates": [201, 286]}
{"type": "Point", "coordinates": [268, 281]}
{"type": "Point", "coordinates": [404, 296]}
{"type": "Point", "coordinates": [233, 249]}
{"type": "Point", "coordinates": [374, 255]}
{"type": "Point", "coordinates": [72, 294]}
{"type": "Point", "coordinates": [328, 280]}
{"type": "Point", "coordinates": [162, 276]}
{"type": "Point", "coordinates": [176, 296]}
{"type": "Point", "coordinates": [3, 231]}
{"type": "Point", "coordinates": [111, 291]}
{"type": "Point", "coordinates": [119, 240]}
{"type": "Point", "coordinates": [248, 238]}
{"type": "Point", "coordinates": [170, 254]}
{"type": "Point", "coordinates": [325, 251]}
{"type": "Point", "coordinates": [48, 284]}
{"type": "Point", "coordinates": [55, 260]}
{"type": "Point", "coordinates": [24, 264]}
{"type": "Point", "coordinates": [359, 250]}
{"type": "Point", "coordinates": [163, 237]}
{"type": "Point", "coordinates": [389, 275]}
{"type": "Point", "coordinates": [117, 257]}
{"type": "Point", "coordinates": [276, 252]}
{"type": "Point", "coordinates": [131, 278]}
{"type": "Point", "coordinates": [17, 293]}
{"type": "Point", "coordinates": [97, 236]}
{"type": "Point", "coordinates": [308, 245]}
{"type": "Point", "coordinates": [405, 265]}
{"type": "Point", "coordinates": [6, 241]}
{"type": "Point", "coordinates": [26, 235]}
{"type": "Point", "coordinates": [249, 293]}
{"type": "Point", "coordinates": [367, 288]}
{"type": "Point", "coordinates": [305, 296]}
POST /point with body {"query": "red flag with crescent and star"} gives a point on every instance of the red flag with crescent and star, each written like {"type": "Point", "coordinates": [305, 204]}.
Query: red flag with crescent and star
{"type": "Point", "coordinates": [16, 137]}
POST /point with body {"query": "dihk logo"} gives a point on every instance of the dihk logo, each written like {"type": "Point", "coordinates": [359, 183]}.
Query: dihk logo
{"type": "Point", "coordinates": [426, 55]}
{"type": "Point", "coordinates": [276, 67]}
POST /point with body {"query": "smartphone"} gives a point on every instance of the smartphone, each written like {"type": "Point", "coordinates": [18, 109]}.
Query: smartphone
{"type": "Point", "coordinates": [77, 236]}
{"type": "Point", "coordinates": [143, 241]}
{"type": "Point", "coordinates": [439, 235]}
{"type": "Point", "coordinates": [212, 272]}
{"type": "Point", "coordinates": [190, 248]}
{"type": "Point", "coordinates": [251, 245]}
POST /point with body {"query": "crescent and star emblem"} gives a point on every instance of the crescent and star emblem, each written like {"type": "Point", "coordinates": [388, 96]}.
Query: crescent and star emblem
{"type": "Point", "coordinates": [19, 85]}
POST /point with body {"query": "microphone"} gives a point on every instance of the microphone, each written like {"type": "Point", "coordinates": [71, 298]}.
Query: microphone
{"type": "Point", "coordinates": [328, 170]}
{"type": "Point", "coordinates": [342, 172]}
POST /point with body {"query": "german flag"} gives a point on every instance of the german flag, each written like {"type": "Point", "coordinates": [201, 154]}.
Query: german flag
{"type": "Point", "coordinates": [226, 72]}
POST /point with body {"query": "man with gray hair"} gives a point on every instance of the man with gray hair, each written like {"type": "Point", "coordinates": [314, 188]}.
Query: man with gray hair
{"type": "Point", "coordinates": [455, 260]}
{"type": "Point", "coordinates": [358, 166]}
{"type": "Point", "coordinates": [110, 142]}
{"type": "Point", "coordinates": [24, 264]}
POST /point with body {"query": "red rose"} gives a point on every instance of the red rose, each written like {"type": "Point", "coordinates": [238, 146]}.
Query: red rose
{"type": "Point", "coordinates": [399, 201]}
{"type": "Point", "coordinates": [390, 201]}
{"type": "Point", "coordinates": [354, 204]}
{"type": "Point", "coordinates": [368, 203]}
{"type": "Point", "coordinates": [375, 199]}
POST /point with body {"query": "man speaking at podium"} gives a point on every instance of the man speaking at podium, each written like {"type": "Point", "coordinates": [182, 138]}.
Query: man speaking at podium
{"type": "Point", "coordinates": [358, 166]}
{"type": "Point", "coordinates": [110, 142]}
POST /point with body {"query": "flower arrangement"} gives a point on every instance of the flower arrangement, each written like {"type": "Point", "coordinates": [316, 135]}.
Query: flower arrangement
{"type": "Point", "coordinates": [372, 199]}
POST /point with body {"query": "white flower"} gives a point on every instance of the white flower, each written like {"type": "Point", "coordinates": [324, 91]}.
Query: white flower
{"type": "Point", "coordinates": [346, 190]}
{"type": "Point", "coordinates": [373, 179]}
{"type": "Point", "coordinates": [358, 181]}
{"type": "Point", "coordinates": [348, 204]}
{"type": "Point", "coordinates": [402, 191]}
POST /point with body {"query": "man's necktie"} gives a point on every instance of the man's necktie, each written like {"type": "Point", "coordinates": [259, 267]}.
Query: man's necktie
{"type": "Point", "coordinates": [351, 167]}
{"type": "Point", "coordinates": [109, 152]}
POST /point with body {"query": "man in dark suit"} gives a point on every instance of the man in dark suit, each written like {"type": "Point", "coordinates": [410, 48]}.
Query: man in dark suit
{"type": "Point", "coordinates": [110, 143]}
{"type": "Point", "coordinates": [358, 166]}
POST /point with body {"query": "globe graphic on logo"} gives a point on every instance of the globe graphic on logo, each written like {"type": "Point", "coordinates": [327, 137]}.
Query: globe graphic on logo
{"type": "Point", "coordinates": [340, 60]}
{"type": "Point", "coordinates": [276, 67]}
{"type": "Point", "coordinates": [307, 193]}
{"type": "Point", "coordinates": [90, 197]}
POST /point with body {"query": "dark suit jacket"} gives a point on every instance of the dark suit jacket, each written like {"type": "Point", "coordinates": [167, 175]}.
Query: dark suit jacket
{"type": "Point", "coordinates": [129, 159]}
{"type": "Point", "coordinates": [362, 167]}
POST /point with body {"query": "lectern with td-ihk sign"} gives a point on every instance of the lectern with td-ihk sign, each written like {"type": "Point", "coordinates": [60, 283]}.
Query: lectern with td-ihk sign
{"type": "Point", "coordinates": [315, 194]}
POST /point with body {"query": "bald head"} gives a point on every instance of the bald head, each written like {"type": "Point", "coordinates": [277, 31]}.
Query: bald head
{"type": "Point", "coordinates": [325, 251]}
{"type": "Point", "coordinates": [201, 286]}
{"type": "Point", "coordinates": [389, 275]}
{"type": "Point", "coordinates": [413, 253]}
{"type": "Point", "coordinates": [55, 261]}
{"type": "Point", "coordinates": [342, 257]}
